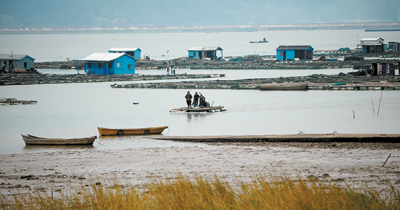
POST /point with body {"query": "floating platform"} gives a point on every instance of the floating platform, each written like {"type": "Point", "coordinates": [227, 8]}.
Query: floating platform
{"type": "Point", "coordinates": [284, 86]}
{"type": "Point", "coordinates": [200, 109]}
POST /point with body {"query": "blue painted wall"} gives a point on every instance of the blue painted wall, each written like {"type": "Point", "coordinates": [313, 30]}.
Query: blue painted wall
{"type": "Point", "coordinates": [122, 65]}
{"type": "Point", "coordinates": [289, 54]}
{"type": "Point", "coordinates": [194, 54]}
{"type": "Point", "coordinates": [27, 63]}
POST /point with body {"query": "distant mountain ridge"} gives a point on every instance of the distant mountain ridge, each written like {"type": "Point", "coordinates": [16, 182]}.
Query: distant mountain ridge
{"type": "Point", "coordinates": [164, 13]}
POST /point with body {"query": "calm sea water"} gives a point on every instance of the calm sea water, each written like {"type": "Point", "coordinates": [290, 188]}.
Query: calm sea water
{"type": "Point", "coordinates": [76, 110]}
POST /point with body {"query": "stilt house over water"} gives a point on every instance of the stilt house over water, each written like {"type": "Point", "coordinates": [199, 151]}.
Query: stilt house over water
{"type": "Point", "coordinates": [372, 45]}
{"type": "Point", "coordinates": [9, 62]}
{"type": "Point", "coordinates": [134, 52]}
{"type": "Point", "coordinates": [206, 53]}
{"type": "Point", "coordinates": [109, 63]}
{"type": "Point", "coordinates": [294, 52]}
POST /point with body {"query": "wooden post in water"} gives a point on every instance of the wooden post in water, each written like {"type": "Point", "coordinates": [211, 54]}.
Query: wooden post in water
{"type": "Point", "coordinates": [386, 160]}
{"type": "Point", "coordinates": [373, 108]}
{"type": "Point", "coordinates": [379, 105]}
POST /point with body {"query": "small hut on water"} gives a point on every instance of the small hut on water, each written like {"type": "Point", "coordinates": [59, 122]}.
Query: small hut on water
{"type": "Point", "coordinates": [294, 52]}
{"type": "Point", "coordinates": [8, 62]}
{"type": "Point", "coordinates": [206, 53]}
{"type": "Point", "coordinates": [109, 63]}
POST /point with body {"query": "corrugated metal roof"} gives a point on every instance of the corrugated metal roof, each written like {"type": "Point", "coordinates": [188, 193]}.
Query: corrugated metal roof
{"type": "Point", "coordinates": [204, 48]}
{"type": "Point", "coordinates": [372, 41]}
{"type": "Point", "coordinates": [13, 56]}
{"type": "Point", "coordinates": [123, 49]}
{"type": "Point", "coordinates": [293, 47]}
{"type": "Point", "coordinates": [102, 57]}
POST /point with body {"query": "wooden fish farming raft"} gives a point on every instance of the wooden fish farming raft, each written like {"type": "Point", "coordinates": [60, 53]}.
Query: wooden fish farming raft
{"type": "Point", "coordinates": [14, 101]}
{"type": "Point", "coordinates": [200, 109]}
{"type": "Point", "coordinates": [35, 140]}
{"type": "Point", "coordinates": [284, 86]}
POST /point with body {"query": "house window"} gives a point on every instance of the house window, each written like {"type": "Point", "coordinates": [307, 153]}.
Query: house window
{"type": "Point", "coordinates": [129, 66]}
{"type": "Point", "coordinates": [99, 65]}
{"type": "Point", "coordinates": [109, 65]}
{"type": "Point", "coordinates": [25, 65]}
{"type": "Point", "coordinates": [89, 65]}
{"type": "Point", "coordinates": [118, 65]}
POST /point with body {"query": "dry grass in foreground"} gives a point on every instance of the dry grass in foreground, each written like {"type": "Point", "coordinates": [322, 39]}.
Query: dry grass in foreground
{"type": "Point", "coordinates": [182, 193]}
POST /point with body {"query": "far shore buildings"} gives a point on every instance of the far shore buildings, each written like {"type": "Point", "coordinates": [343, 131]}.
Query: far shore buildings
{"type": "Point", "coordinates": [116, 61]}
{"type": "Point", "coordinates": [16, 61]}
{"type": "Point", "coordinates": [205, 53]}
{"type": "Point", "coordinates": [294, 52]}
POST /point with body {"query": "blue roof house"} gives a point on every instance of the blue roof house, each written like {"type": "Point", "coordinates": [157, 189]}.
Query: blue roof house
{"type": "Point", "coordinates": [134, 52]}
{"type": "Point", "coordinates": [294, 52]}
{"type": "Point", "coordinates": [205, 53]}
{"type": "Point", "coordinates": [109, 63]}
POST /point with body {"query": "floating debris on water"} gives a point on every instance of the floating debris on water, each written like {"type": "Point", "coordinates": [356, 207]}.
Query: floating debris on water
{"type": "Point", "coordinates": [14, 101]}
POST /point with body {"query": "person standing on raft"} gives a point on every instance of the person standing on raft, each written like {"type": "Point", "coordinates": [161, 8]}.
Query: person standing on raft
{"type": "Point", "coordinates": [195, 99]}
{"type": "Point", "coordinates": [188, 99]}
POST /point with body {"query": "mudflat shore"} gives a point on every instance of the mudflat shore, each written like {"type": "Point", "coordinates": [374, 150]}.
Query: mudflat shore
{"type": "Point", "coordinates": [358, 165]}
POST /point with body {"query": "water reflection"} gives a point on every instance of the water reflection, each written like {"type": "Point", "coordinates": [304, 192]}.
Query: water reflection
{"type": "Point", "coordinates": [195, 116]}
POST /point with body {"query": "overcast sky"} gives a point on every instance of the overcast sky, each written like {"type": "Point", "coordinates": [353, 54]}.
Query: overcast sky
{"type": "Point", "coordinates": [162, 13]}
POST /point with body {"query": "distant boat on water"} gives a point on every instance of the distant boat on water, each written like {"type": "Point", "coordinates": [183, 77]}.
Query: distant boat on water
{"type": "Point", "coordinates": [262, 41]}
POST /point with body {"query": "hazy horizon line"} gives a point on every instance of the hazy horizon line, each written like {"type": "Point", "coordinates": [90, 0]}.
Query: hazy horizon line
{"type": "Point", "coordinates": [216, 27]}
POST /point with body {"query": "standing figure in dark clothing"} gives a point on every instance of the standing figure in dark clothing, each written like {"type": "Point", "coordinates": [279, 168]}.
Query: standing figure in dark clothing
{"type": "Point", "coordinates": [188, 98]}
{"type": "Point", "coordinates": [195, 99]}
{"type": "Point", "coordinates": [202, 101]}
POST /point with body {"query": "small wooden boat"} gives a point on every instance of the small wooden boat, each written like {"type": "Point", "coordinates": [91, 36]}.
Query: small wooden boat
{"type": "Point", "coordinates": [35, 140]}
{"type": "Point", "coordinates": [262, 41]}
{"type": "Point", "coordinates": [130, 131]}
